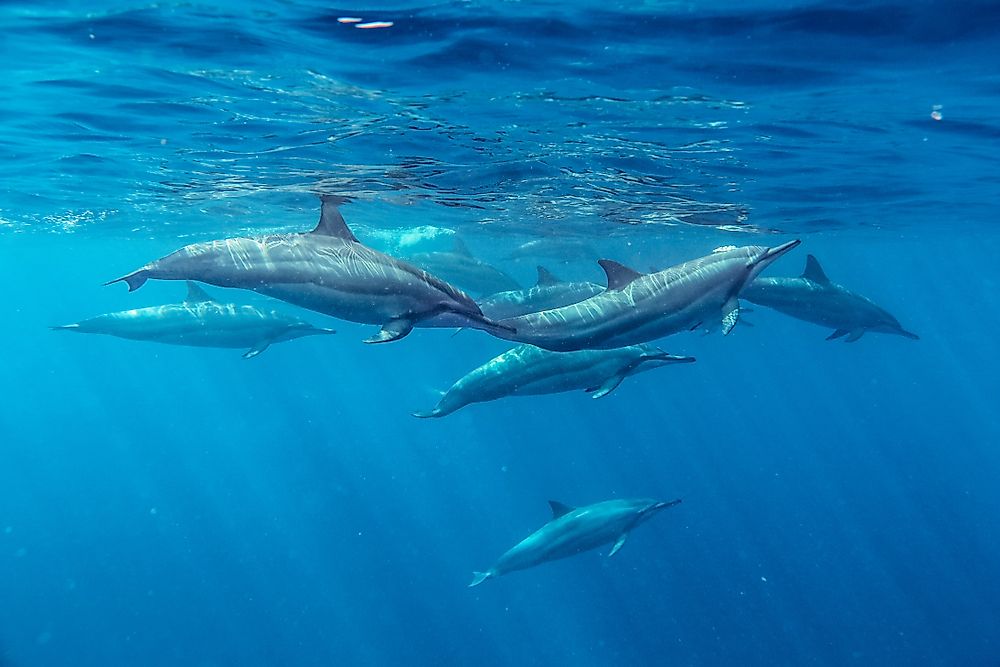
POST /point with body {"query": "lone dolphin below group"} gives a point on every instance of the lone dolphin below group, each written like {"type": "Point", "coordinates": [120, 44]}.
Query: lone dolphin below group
{"type": "Point", "coordinates": [573, 530]}
{"type": "Point", "coordinates": [327, 270]}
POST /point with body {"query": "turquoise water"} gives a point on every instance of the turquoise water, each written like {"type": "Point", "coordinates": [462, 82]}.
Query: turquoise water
{"type": "Point", "coordinates": [167, 505]}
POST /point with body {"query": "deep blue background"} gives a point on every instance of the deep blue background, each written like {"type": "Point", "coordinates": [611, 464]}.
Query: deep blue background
{"type": "Point", "coordinates": [168, 506]}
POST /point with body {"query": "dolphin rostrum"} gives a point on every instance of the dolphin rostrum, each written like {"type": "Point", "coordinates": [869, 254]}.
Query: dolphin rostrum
{"type": "Point", "coordinates": [548, 293]}
{"type": "Point", "coordinates": [201, 321]}
{"type": "Point", "coordinates": [528, 370]}
{"type": "Point", "coordinates": [327, 270]}
{"type": "Point", "coordinates": [637, 307]}
{"type": "Point", "coordinates": [462, 269]}
{"type": "Point", "coordinates": [813, 298]}
{"type": "Point", "coordinates": [573, 530]}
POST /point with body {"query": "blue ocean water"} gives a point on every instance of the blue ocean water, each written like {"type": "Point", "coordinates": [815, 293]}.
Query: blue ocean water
{"type": "Point", "coordinates": [177, 506]}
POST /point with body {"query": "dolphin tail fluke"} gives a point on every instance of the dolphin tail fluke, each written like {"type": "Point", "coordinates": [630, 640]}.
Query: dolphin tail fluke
{"type": "Point", "coordinates": [480, 577]}
{"type": "Point", "coordinates": [488, 323]}
{"type": "Point", "coordinates": [257, 349]}
{"type": "Point", "coordinates": [134, 280]}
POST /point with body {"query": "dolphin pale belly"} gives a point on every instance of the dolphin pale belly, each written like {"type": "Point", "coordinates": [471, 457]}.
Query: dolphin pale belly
{"type": "Point", "coordinates": [548, 293]}
{"type": "Point", "coordinates": [573, 530]}
{"type": "Point", "coordinates": [327, 270]}
{"type": "Point", "coordinates": [814, 298]}
{"type": "Point", "coordinates": [637, 308]}
{"type": "Point", "coordinates": [200, 321]}
{"type": "Point", "coordinates": [527, 370]}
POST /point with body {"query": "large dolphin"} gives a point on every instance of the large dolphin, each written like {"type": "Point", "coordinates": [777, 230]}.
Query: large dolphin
{"type": "Point", "coordinates": [201, 321]}
{"type": "Point", "coordinates": [813, 298]}
{"type": "Point", "coordinates": [327, 270]}
{"type": "Point", "coordinates": [573, 530]}
{"type": "Point", "coordinates": [528, 370]}
{"type": "Point", "coordinates": [638, 307]}
{"type": "Point", "coordinates": [463, 270]}
{"type": "Point", "coordinates": [548, 293]}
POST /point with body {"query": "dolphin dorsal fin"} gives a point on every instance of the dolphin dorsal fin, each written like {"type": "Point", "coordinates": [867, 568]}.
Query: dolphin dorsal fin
{"type": "Point", "coordinates": [814, 271]}
{"type": "Point", "coordinates": [545, 277]}
{"type": "Point", "coordinates": [559, 509]}
{"type": "Point", "coordinates": [331, 222]}
{"type": "Point", "coordinates": [619, 275]}
{"type": "Point", "coordinates": [196, 294]}
{"type": "Point", "coordinates": [459, 248]}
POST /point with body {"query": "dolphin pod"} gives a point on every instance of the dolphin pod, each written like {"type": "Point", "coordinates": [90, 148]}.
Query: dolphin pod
{"type": "Point", "coordinates": [528, 370]}
{"type": "Point", "coordinates": [814, 298]}
{"type": "Point", "coordinates": [573, 530]}
{"type": "Point", "coordinates": [637, 307]}
{"type": "Point", "coordinates": [327, 270]}
{"type": "Point", "coordinates": [201, 321]}
{"type": "Point", "coordinates": [571, 336]}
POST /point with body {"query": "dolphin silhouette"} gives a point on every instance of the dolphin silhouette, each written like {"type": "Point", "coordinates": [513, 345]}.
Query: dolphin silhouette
{"type": "Point", "coordinates": [200, 321]}
{"type": "Point", "coordinates": [637, 307]}
{"type": "Point", "coordinates": [814, 298]}
{"type": "Point", "coordinates": [573, 530]}
{"type": "Point", "coordinates": [528, 370]}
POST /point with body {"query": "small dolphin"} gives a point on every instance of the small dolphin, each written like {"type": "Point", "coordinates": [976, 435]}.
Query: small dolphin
{"type": "Point", "coordinates": [563, 249]}
{"type": "Point", "coordinates": [327, 270]}
{"type": "Point", "coordinates": [573, 530]}
{"type": "Point", "coordinates": [548, 293]}
{"type": "Point", "coordinates": [527, 370]}
{"type": "Point", "coordinates": [638, 307]}
{"type": "Point", "coordinates": [461, 269]}
{"type": "Point", "coordinates": [813, 298]}
{"type": "Point", "coordinates": [200, 321]}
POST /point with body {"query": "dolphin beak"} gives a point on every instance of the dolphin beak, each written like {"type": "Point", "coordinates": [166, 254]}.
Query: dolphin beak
{"type": "Point", "coordinates": [665, 505]}
{"type": "Point", "coordinates": [660, 355]}
{"type": "Point", "coordinates": [778, 251]}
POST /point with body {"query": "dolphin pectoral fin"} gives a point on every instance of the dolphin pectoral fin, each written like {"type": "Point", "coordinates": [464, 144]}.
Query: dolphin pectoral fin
{"type": "Point", "coordinates": [392, 330]}
{"type": "Point", "coordinates": [854, 335]}
{"type": "Point", "coordinates": [731, 315]}
{"type": "Point", "coordinates": [480, 577]}
{"type": "Point", "coordinates": [257, 349]}
{"type": "Point", "coordinates": [618, 545]}
{"type": "Point", "coordinates": [909, 334]}
{"type": "Point", "coordinates": [134, 280]}
{"type": "Point", "coordinates": [837, 334]}
{"type": "Point", "coordinates": [609, 386]}
{"type": "Point", "coordinates": [436, 412]}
